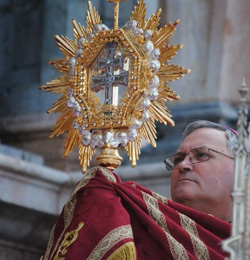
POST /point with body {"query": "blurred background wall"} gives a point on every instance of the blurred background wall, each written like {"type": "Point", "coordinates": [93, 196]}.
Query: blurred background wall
{"type": "Point", "coordinates": [34, 178]}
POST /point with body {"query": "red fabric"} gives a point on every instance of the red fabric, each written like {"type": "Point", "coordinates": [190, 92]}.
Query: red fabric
{"type": "Point", "coordinates": [104, 205]}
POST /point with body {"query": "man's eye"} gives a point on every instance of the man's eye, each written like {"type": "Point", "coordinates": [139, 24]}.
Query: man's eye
{"type": "Point", "coordinates": [201, 155]}
{"type": "Point", "coordinates": [178, 159]}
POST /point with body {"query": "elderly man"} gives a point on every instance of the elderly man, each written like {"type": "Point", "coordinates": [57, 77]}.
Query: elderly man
{"type": "Point", "coordinates": [203, 169]}
{"type": "Point", "coordinates": [105, 218]}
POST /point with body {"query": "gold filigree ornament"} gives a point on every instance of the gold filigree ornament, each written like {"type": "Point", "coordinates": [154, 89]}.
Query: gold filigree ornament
{"type": "Point", "coordinates": [114, 85]}
{"type": "Point", "coordinates": [69, 238]}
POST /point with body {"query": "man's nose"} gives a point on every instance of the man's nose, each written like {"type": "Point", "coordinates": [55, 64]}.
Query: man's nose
{"type": "Point", "coordinates": [185, 165]}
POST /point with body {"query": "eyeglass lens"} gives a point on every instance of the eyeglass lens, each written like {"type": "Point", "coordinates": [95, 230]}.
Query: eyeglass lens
{"type": "Point", "coordinates": [196, 155]}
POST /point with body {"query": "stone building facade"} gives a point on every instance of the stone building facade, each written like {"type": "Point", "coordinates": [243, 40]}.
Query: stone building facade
{"type": "Point", "coordinates": [35, 180]}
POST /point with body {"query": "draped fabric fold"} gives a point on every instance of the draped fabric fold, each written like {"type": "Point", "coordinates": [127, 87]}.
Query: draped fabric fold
{"type": "Point", "coordinates": [105, 218]}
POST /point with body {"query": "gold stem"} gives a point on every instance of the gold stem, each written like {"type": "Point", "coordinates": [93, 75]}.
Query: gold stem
{"type": "Point", "coordinates": [116, 13]}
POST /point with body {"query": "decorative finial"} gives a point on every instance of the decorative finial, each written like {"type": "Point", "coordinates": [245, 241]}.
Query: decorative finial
{"type": "Point", "coordinates": [243, 90]}
{"type": "Point", "coordinates": [116, 11]}
{"type": "Point", "coordinates": [242, 118]}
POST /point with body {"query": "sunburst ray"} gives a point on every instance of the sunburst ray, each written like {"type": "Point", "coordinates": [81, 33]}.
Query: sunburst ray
{"type": "Point", "coordinates": [163, 35]}
{"type": "Point", "coordinates": [166, 94]}
{"type": "Point", "coordinates": [59, 105]}
{"type": "Point", "coordinates": [85, 156]}
{"type": "Point", "coordinates": [149, 131]}
{"type": "Point", "coordinates": [134, 149]}
{"type": "Point", "coordinates": [63, 123]}
{"type": "Point", "coordinates": [168, 52]}
{"type": "Point", "coordinates": [153, 22]}
{"type": "Point", "coordinates": [92, 18]}
{"type": "Point", "coordinates": [60, 65]}
{"type": "Point", "coordinates": [67, 46]}
{"type": "Point", "coordinates": [160, 113]}
{"type": "Point", "coordinates": [70, 141]}
{"type": "Point", "coordinates": [171, 72]}
{"type": "Point", "coordinates": [79, 30]}
{"type": "Point", "coordinates": [57, 86]}
{"type": "Point", "coordinates": [139, 14]}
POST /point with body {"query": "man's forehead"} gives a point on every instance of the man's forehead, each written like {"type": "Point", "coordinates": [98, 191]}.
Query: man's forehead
{"type": "Point", "coordinates": [209, 137]}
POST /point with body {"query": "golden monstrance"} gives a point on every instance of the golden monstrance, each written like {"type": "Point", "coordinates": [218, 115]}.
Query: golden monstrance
{"type": "Point", "coordinates": [114, 85]}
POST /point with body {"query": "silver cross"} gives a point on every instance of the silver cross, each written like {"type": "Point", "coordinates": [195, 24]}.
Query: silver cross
{"type": "Point", "coordinates": [108, 79]}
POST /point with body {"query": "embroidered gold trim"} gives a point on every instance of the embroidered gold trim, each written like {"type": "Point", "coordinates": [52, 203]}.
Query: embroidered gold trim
{"type": "Point", "coordinates": [108, 174]}
{"type": "Point", "coordinates": [69, 238]}
{"type": "Point", "coordinates": [110, 240]}
{"type": "Point", "coordinates": [69, 209]}
{"type": "Point", "coordinates": [124, 252]}
{"type": "Point", "coordinates": [91, 174]}
{"type": "Point", "coordinates": [160, 197]}
{"type": "Point", "coordinates": [85, 179]}
{"type": "Point", "coordinates": [50, 243]}
{"type": "Point", "coordinates": [200, 249]}
{"type": "Point", "coordinates": [154, 211]}
{"type": "Point", "coordinates": [177, 250]}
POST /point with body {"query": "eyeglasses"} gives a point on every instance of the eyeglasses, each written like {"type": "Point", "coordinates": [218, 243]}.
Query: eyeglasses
{"type": "Point", "coordinates": [197, 155]}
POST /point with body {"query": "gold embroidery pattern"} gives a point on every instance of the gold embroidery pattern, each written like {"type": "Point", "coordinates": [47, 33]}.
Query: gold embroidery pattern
{"type": "Point", "coordinates": [200, 249]}
{"type": "Point", "coordinates": [177, 250]}
{"type": "Point", "coordinates": [50, 243]}
{"type": "Point", "coordinates": [69, 209]}
{"type": "Point", "coordinates": [126, 251]}
{"type": "Point", "coordinates": [91, 174]}
{"type": "Point", "coordinates": [108, 174]}
{"type": "Point", "coordinates": [160, 197]}
{"type": "Point", "coordinates": [110, 240]}
{"type": "Point", "coordinates": [69, 238]}
{"type": "Point", "coordinates": [154, 211]}
{"type": "Point", "coordinates": [85, 180]}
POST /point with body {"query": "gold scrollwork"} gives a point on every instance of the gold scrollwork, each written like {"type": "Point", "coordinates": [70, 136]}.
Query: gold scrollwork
{"type": "Point", "coordinates": [69, 238]}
